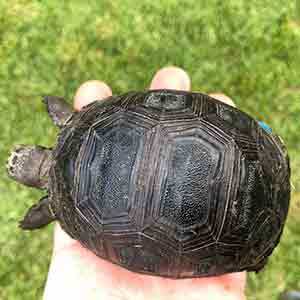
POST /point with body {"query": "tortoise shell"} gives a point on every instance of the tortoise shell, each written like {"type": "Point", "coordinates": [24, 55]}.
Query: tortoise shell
{"type": "Point", "coordinates": [171, 183]}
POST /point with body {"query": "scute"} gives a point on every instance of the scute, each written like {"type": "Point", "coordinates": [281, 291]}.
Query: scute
{"type": "Point", "coordinates": [107, 160]}
{"type": "Point", "coordinates": [168, 101]}
{"type": "Point", "coordinates": [171, 183]}
{"type": "Point", "coordinates": [186, 182]}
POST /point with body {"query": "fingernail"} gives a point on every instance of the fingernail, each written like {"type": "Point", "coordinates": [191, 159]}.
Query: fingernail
{"type": "Point", "coordinates": [90, 91]}
{"type": "Point", "coordinates": [171, 78]}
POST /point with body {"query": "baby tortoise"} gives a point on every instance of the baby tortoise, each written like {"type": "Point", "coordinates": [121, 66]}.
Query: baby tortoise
{"type": "Point", "coordinates": [162, 182]}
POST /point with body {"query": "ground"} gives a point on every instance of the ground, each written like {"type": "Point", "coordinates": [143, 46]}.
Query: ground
{"type": "Point", "coordinates": [246, 49]}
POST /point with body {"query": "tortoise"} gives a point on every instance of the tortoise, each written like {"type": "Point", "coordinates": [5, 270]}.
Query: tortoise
{"type": "Point", "coordinates": [162, 182]}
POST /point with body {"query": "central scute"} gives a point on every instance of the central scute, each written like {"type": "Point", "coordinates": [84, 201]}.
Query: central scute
{"type": "Point", "coordinates": [185, 199]}
{"type": "Point", "coordinates": [111, 170]}
{"type": "Point", "coordinates": [107, 163]}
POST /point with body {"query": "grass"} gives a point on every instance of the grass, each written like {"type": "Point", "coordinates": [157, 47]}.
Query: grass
{"type": "Point", "coordinates": [246, 49]}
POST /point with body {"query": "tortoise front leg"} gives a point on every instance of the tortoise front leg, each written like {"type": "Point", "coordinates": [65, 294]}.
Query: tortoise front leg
{"type": "Point", "coordinates": [38, 215]}
{"type": "Point", "coordinates": [58, 109]}
{"type": "Point", "coordinates": [30, 165]}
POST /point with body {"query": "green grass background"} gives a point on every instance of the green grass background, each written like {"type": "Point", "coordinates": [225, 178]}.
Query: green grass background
{"type": "Point", "coordinates": [246, 49]}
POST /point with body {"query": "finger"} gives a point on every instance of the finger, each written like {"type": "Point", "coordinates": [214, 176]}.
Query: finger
{"type": "Point", "coordinates": [223, 98]}
{"type": "Point", "coordinates": [90, 91]}
{"type": "Point", "coordinates": [171, 78]}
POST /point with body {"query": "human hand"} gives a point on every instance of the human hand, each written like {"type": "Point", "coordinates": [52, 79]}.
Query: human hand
{"type": "Point", "coordinates": [77, 273]}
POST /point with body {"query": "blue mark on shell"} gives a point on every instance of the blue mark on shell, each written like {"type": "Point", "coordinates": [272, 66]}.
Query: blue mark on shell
{"type": "Point", "coordinates": [266, 127]}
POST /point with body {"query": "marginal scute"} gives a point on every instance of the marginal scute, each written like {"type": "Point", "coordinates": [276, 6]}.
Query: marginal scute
{"type": "Point", "coordinates": [171, 183]}
{"type": "Point", "coordinates": [168, 101]}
